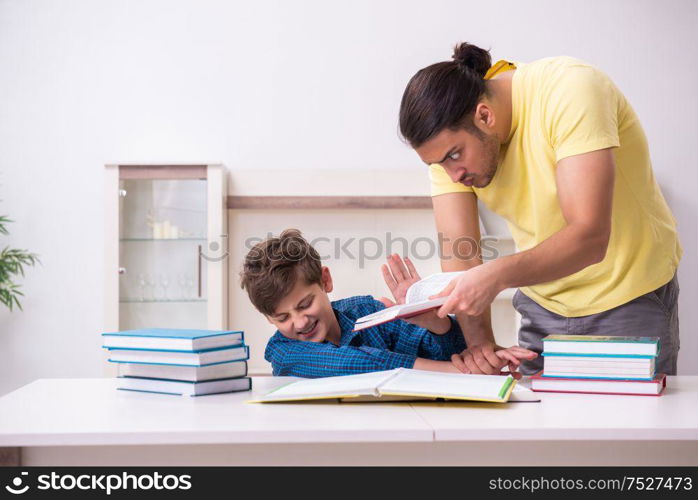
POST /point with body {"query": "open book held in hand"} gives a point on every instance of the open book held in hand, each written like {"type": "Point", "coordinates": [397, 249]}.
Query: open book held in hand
{"type": "Point", "coordinates": [416, 301]}
{"type": "Point", "coordinates": [400, 384]}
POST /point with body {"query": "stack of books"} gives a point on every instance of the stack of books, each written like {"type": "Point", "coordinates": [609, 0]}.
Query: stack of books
{"type": "Point", "coordinates": [600, 364]}
{"type": "Point", "coordinates": [184, 362]}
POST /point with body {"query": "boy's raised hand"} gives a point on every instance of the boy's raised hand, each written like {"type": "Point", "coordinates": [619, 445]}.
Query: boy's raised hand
{"type": "Point", "coordinates": [399, 275]}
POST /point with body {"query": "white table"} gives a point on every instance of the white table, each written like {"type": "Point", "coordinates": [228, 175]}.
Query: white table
{"type": "Point", "coordinates": [89, 422]}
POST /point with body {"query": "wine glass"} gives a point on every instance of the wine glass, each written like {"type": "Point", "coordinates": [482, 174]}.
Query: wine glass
{"type": "Point", "coordinates": [141, 287]}
{"type": "Point", "coordinates": [150, 281]}
{"type": "Point", "coordinates": [190, 286]}
{"type": "Point", "coordinates": [182, 282]}
{"type": "Point", "coordinates": [164, 283]}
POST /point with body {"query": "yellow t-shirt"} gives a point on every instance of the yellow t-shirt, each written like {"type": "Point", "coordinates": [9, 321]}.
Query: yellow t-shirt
{"type": "Point", "coordinates": [564, 107]}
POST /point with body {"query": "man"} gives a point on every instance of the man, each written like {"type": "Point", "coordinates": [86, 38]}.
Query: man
{"type": "Point", "coordinates": [555, 148]}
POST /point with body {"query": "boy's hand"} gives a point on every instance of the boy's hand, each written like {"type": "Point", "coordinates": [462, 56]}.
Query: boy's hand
{"type": "Point", "coordinates": [399, 275]}
{"type": "Point", "coordinates": [511, 357]}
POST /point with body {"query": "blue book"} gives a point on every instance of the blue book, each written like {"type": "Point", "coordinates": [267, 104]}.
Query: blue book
{"type": "Point", "coordinates": [172, 339]}
{"type": "Point", "coordinates": [600, 345]}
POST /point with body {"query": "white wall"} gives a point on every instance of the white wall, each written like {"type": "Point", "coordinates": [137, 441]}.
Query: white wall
{"type": "Point", "coordinates": [273, 84]}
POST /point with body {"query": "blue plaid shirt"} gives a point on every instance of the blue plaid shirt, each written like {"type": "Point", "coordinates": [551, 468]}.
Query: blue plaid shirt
{"type": "Point", "coordinates": [382, 347]}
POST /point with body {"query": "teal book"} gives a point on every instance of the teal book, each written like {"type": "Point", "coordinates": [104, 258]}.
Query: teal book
{"type": "Point", "coordinates": [600, 345]}
{"type": "Point", "coordinates": [172, 339]}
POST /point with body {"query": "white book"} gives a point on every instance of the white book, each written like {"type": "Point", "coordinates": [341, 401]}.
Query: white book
{"type": "Point", "coordinates": [184, 388]}
{"type": "Point", "coordinates": [601, 375]}
{"type": "Point", "coordinates": [416, 301]}
{"type": "Point", "coordinates": [398, 384]}
{"type": "Point", "coordinates": [600, 369]}
{"type": "Point", "coordinates": [559, 366]}
{"type": "Point", "coordinates": [200, 358]}
{"type": "Point", "coordinates": [605, 362]}
{"type": "Point", "coordinates": [572, 369]}
{"type": "Point", "coordinates": [521, 394]}
{"type": "Point", "coordinates": [231, 369]}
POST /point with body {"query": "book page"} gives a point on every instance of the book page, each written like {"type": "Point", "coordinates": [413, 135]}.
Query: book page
{"type": "Point", "coordinates": [522, 394]}
{"type": "Point", "coordinates": [382, 314]}
{"type": "Point", "coordinates": [398, 311]}
{"type": "Point", "coordinates": [346, 385]}
{"type": "Point", "coordinates": [419, 382]}
{"type": "Point", "coordinates": [431, 285]}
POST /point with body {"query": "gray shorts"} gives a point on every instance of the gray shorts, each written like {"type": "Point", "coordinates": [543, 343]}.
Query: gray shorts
{"type": "Point", "coordinates": [655, 314]}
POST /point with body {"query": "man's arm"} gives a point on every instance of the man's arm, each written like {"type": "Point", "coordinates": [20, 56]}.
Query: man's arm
{"type": "Point", "coordinates": [416, 340]}
{"type": "Point", "coordinates": [458, 226]}
{"type": "Point", "coordinates": [585, 192]}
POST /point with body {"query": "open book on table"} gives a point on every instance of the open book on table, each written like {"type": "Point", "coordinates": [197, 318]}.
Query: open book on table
{"type": "Point", "coordinates": [416, 301]}
{"type": "Point", "coordinates": [401, 384]}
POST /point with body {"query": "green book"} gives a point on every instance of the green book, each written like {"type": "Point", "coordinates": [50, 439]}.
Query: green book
{"type": "Point", "coordinates": [581, 345]}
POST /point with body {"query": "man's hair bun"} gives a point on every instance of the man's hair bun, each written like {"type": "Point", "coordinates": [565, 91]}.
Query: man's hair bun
{"type": "Point", "coordinates": [472, 57]}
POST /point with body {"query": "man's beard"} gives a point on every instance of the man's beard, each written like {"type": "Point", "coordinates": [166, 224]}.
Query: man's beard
{"type": "Point", "coordinates": [491, 149]}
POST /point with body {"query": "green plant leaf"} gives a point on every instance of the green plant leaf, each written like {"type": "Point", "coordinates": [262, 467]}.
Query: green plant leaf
{"type": "Point", "coordinates": [12, 264]}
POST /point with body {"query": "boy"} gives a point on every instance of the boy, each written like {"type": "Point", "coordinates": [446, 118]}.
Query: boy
{"type": "Point", "coordinates": [286, 282]}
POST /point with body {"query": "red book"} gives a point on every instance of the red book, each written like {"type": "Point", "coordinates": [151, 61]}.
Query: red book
{"type": "Point", "coordinates": [416, 301]}
{"type": "Point", "coordinates": [654, 387]}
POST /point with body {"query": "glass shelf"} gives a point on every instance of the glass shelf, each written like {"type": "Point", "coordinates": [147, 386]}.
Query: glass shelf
{"type": "Point", "coordinates": [161, 301]}
{"type": "Point", "coordinates": [162, 239]}
{"type": "Point", "coordinates": [164, 220]}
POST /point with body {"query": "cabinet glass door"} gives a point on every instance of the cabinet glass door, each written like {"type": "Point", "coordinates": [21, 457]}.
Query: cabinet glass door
{"type": "Point", "coordinates": [162, 231]}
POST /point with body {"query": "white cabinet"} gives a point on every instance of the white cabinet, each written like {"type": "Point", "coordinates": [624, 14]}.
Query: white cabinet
{"type": "Point", "coordinates": [166, 247]}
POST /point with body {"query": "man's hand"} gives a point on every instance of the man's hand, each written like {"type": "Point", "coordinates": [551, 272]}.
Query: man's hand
{"type": "Point", "coordinates": [514, 355]}
{"type": "Point", "coordinates": [490, 358]}
{"type": "Point", "coordinates": [399, 275]}
{"type": "Point", "coordinates": [480, 359]}
{"type": "Point", "coordinates": [470, 293]}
